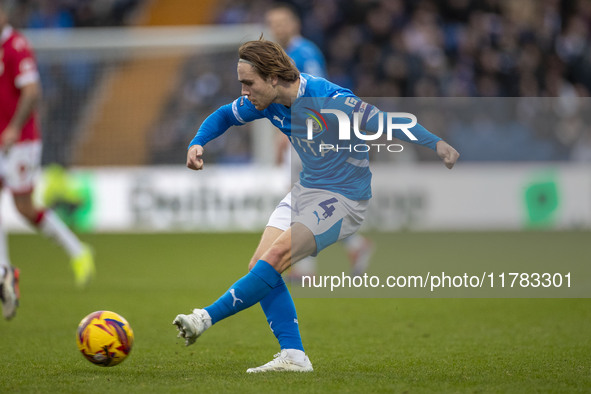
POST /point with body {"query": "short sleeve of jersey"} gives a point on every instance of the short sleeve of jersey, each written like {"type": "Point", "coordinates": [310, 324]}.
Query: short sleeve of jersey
{"type": "Point", "coordinates": [20, 59]}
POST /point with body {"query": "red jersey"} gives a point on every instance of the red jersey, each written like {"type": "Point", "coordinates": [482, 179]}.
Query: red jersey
{"type": "Point", "coordinates": [17, 69]}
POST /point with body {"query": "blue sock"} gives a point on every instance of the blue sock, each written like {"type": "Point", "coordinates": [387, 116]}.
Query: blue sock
{"type": "Point", "coordinates": [246, 292]}
{"type": "Point", "coordinates": [282, 318]}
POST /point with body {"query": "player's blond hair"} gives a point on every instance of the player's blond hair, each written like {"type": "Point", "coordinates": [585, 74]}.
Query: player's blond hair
{"type": "Point", "coordinates": [268, 59]}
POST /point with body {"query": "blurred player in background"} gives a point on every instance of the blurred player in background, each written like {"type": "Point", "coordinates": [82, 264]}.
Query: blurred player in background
{"type": "Point", "coordinates": [285, 24]}
{"type": "Point", "coordinates": [69, 195]}
{"type": "Point", "coordinates": [20, 160]}
{"type": "Point", "coordinates": [335, 186]}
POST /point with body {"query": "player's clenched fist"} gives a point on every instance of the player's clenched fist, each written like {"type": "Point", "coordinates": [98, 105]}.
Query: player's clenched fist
{"type": "Point", "coordinates": [194, 160]}
{"type": "Point", "coordinates": [447, 153]}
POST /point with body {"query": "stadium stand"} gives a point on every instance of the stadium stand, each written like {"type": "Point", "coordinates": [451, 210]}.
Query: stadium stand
{"type": "Point", "coordinates": [150, 79]}
{"type": "Point", "coordinates": [456, 48]}
{"type": "Point", "coordinates": [379, 48]}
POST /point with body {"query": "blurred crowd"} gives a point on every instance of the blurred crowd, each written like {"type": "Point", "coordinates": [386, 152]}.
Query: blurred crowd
{"type": "Point", "coordinates": [424, 48]}
{"type": "Point", "coordinates": [453, 48]}
{"type": "Point", "coordinates": [72, 13]}
{"type": "Point", "coordinates": [378, 48]}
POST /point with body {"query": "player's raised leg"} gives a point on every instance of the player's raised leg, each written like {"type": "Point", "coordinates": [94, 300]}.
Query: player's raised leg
{"type": "Point", "coordinates": [20, 166]}
{"type": "Point", "coordinates": [244, 293]}
{"type": "Point", "coordinates": [247, 291]}
{"type": "Point", "coordinates": [50, 225]}
{"type": "Point", "coordinates": [193, 325]}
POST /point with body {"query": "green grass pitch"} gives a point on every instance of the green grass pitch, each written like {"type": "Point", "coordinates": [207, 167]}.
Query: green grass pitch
{"type": "Point", "coordinates": [361, 345]}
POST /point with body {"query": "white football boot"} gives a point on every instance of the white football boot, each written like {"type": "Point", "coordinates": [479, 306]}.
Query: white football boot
{"type": "Point", "coordinates": [192, 326]}
{"type": "Point", "coordinates": [83, 267]}
{"type": "Point", "coordinates": [9, 292]}
{"type": "Point", "coordinates": [288, 360]}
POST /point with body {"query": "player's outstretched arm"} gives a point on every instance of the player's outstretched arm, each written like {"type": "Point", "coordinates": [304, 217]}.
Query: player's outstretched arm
{"type": "Point", "coordinates": [447, 153]}
{"type": "Point", "coordinates": [29, 98]}
{"type": "Point", "coordinates": [194, 157]}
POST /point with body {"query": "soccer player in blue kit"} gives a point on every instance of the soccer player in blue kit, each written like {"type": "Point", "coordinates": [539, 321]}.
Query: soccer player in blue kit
{"type": "Point", "coordinates": [336, 183]}
{"type": "Point", "coordinates": [285, 25]}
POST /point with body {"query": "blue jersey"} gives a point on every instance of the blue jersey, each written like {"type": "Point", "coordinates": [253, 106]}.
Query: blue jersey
{"type": "Point", "coordinates": [342, 171]}
{"type": "Point", "coordinates": [307, 57]}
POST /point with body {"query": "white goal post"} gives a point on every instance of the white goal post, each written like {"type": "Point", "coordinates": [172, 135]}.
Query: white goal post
{"type": "Point", "coordinates": [103, 41]}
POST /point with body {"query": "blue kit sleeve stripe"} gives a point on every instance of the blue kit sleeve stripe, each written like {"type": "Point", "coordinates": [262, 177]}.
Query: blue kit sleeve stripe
{"type": "Point", "coordinates": [215, 125]}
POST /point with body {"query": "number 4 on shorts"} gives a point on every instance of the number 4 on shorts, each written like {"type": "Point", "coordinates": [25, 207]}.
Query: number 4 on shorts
{"type": "Point", "coordinates": [328, 207]}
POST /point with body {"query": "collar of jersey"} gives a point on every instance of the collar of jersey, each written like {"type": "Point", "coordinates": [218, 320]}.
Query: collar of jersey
{"type": "Point", "coordinates": [302, 88]}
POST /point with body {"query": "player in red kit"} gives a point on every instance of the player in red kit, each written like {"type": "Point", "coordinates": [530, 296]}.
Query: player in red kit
{"type": "Point", "coordinates": [20, 160]}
